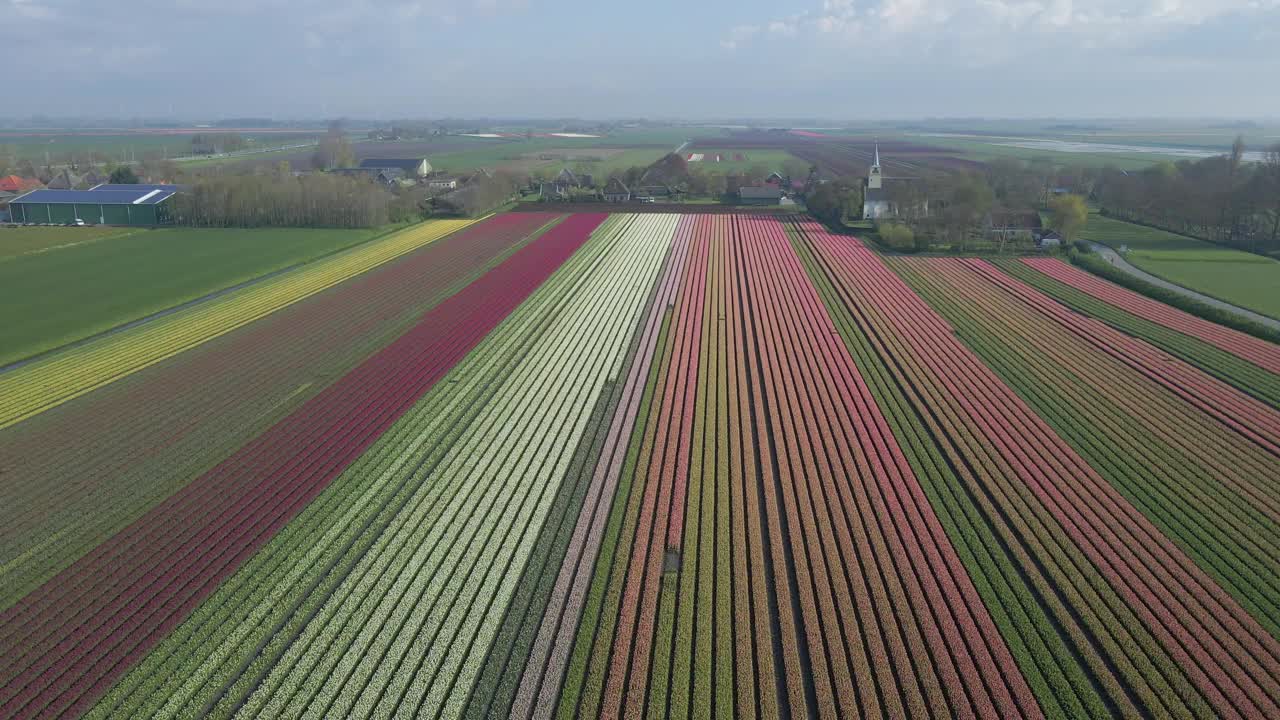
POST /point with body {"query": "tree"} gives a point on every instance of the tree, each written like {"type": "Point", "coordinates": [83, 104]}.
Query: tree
{"type": "Point", "coordinates": [833, 200]}
{"type": "Point", "coordinates": [966, 200]}
{"type": "Point", "coordinates": [1271, 186]}
{"type": "Point", "coordinates": [897, 236]}
{"type": "Point", "coordinates": [1237, 154]}
{"type": "Point", "coordinates": [123, 175]}
{"type": "Point", "coordinates": [1068, 214]}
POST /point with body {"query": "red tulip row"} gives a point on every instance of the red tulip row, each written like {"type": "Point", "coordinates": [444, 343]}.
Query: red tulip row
{"type": "Point", "coordinates": [141, 438]}
{"type": "Point", "coordinates": [1230, 661]}
{"type": "Point", "coordinates": [1256, 350]}
{"type": "Point", "coordinates": [67, 641]}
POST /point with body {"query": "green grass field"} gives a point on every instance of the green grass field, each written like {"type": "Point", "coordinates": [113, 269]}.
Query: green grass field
{"type": "Point", "coordinates": [1248, 280]}
{"type": "Point", "coordinates": [22, 241]}
{"type": "Point", "coordinates": [56, 297]}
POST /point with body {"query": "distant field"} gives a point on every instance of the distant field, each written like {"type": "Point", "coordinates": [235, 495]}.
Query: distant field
{"type": "Point", "coordinates": [17, 242]}
{"type": "Point", "coordinates": [733, 160]}
{"type": "Point", "coordinates": [57, 145]}
{"type": "Point", "coordinates": [52, 298]}
{"type": "Point", "coordinates": [457, 153]}
{"type": "Point", "coordinates": [984, 150]}
{"type": "Point", "coordinates": [1242, 278]}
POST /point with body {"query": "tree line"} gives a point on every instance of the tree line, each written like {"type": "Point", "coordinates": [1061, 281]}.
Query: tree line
{"type": "Point", "coordinates": [1223, 199]}
{"type": "Point", "coordinates": [313, 200]}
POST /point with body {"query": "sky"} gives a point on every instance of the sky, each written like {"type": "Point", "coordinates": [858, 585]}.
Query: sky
{"type": "Point", "coordinates": [843, 60]}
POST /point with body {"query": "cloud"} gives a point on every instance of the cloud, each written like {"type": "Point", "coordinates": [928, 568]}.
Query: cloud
{"type": "Point", "coordinates": [739, 35]}
{"type": "Point", "coordinates": [789, 27]}
{"type": "Point", "coordinates": [984, 31]}
{"type": "Point", "coordinates": [30, 10]}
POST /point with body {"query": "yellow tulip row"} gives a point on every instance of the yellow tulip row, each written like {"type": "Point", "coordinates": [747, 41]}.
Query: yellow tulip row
{"type": "Point", "coordinates": [61, 377]}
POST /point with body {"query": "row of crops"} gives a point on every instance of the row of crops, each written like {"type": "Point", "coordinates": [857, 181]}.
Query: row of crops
{"type": "Point", "coordinates": [56, 379]}
{"type": "Point", "coordinates": [648, 466]}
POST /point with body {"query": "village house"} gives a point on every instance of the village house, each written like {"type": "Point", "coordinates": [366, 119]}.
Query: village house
{"type": "Point", "coordinates": [384, 176]}
{"type": "Point", "coordinates": [569, 178]}
{"type": "Point", "coordinates": [414, 168]}
{"type": "Point", "coordinates": [616, 191]}
{"type": "Point", "coordinates": [1012, 226]}
{"type": "Point", "coordinates": [64, 180]}
{"type": "Point", "coordinates": [756, 195]}
{"type": "Point", "coordinates": [443, 183]}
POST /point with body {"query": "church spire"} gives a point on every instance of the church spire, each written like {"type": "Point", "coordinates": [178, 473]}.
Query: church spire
{"type": "Point", "coordinates": [873, 175]}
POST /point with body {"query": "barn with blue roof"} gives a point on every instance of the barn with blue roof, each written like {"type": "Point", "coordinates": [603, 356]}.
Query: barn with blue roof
{"type": "Point", "coordinates": [100, 205]}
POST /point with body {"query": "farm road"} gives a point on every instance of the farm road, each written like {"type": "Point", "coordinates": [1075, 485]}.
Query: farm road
{"type": "Point", "coordinates": [1118, 261]}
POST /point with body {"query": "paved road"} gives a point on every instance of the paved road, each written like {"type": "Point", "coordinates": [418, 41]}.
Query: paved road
{"type": "Point", "coordinates": [1118, 261]}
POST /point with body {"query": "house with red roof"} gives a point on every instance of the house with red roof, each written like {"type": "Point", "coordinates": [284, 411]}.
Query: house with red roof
{"type": "Point", "coordinates": [15, 184]}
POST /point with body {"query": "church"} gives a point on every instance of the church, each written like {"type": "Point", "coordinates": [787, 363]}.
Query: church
{"type": "Point", "coordinates": [876, 203]}
{"type": "Point", "coordinates": [875, 199]}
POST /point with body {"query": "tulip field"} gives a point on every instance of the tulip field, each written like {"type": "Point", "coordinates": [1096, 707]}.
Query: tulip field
{"type": "Point", "coordinates": [650, 465]}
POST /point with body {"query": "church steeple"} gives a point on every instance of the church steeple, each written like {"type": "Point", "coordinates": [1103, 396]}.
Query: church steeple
{"type": "Point", "coordinates": [873, 177]}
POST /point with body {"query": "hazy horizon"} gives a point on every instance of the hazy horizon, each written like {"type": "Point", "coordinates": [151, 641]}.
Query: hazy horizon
{"type": "Point", "coordinates": [869, 61]}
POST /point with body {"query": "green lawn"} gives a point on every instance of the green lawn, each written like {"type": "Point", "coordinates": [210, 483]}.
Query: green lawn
{"type": "Point", "coordinates": [1248, 280]}
{"type": "Point", "coordinates": [53, 298]}
{"type": "Point", "coordinates": [21, 241]}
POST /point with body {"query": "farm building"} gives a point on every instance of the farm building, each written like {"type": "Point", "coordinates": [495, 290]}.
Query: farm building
{"type": "Point", "coordinates": [93, 178]}
{"type": "Point", "coordinates": [1008, 225]}
{"type": "Point", "coordinates": [443, 183]}
{"type": "Point", "coordinates": [658, 193]}
{"type": "Point", "coordinates": [571, 179]}
{"type": "Point", "coordinates": [553, 191]}
{"type": "Point", "coordinates": [104, 205]}
{"type": "Point", "coordinates": [15, 184]}
{"type": "Point", "coordinates": [755, 195]}
{"type": "Point", "coordinates": [412, 167]}
{"type": "Point", "coordinates": [64, 180]}
{"type": "Point", "coordinates": [616, 191]}
{"type": "Point", "coordinates": [385, 176]}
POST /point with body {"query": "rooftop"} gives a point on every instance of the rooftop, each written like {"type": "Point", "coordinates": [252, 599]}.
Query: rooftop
{"type": "Point", "coordinates": [757, 193]}
{"type": "Point", "coordinates": [143, 196]}
{"type": "Point", "coordinates": [108, 187]}
{"type": "Point", "coordinates": [401, 163]}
